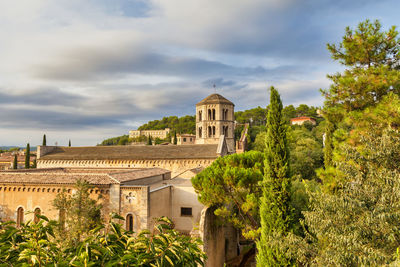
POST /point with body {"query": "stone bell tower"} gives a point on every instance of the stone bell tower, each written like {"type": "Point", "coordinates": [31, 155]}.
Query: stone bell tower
{"type": "Point", "coordinates": [215, 117]}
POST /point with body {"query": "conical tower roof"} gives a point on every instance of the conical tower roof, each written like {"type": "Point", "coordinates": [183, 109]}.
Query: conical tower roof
{"type": "Point", "coordinates": [214, 99]}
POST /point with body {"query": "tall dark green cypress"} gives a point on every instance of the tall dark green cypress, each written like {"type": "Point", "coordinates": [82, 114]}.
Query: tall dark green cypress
{"type": "Point", "coordinates": [34, 165]}
{"type": "Point", "coordinates": [69, 143]}
{"type": "Point", "coordinates": [149, 141]}
{"type": "Point", "coordinates": [27, 156]}
{"type": "Point", "coordinates": [275, 202]}
{"type": "Point", "coordinates": [15, 163]}
{"type": "Point", "coordinates": [175, 139]}
{"type": "Point", "coordinates": [44, 140]}
{"type": "Point", "coordinates": [328, 145]}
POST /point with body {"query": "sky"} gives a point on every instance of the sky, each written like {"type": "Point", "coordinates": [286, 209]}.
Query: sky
{"type": "Point", "coordinates": [86, 70]}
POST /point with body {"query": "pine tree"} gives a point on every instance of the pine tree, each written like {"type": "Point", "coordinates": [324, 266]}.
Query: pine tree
{"type": "Point", "coordinates": [27, 156]}
{"type": "Point", "coordinates": [69, 143]}
{"type": "Point", "coordinates": [15, 163]}
{"type": "Point", "coordinates": [274, 209]}
{"type": "Point", "coordinates": [44, 140]}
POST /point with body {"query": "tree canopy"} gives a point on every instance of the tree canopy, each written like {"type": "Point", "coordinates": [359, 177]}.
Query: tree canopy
{"type": "Point", "coordinates": [231, 185]}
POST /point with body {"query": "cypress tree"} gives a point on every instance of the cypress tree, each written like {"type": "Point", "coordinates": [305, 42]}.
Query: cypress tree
{"type": "Point", "coordinates": [44, 140]}
{"type": "Point", "coordinates": [34, 165]}
{"type": "Point", "coordinates": [328, 145]}
{"type": "Point", "coordinates": [149, 141]}
{"type": "Point", "coordinates": [27, 156]}
{"type": "Point", "coordinates": [69, 143]}
{"type": "Point", "coordinates": [175, 139]}
{"type": "Point", "coordinates": [274, 209]}
{"type": "Point", "coordinates": [15, 163]}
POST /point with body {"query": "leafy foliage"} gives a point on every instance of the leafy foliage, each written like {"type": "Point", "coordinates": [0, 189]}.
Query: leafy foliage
{"type": "Point", "coordinates": [15, 162]}
{"type": "Point", "coordinates": [275, 211]}
{"type": "Point", "coordinates": [372, 60]}
{"type": "Point", "coordinates": [119, 140]}
{"type": "Point", "coordinates": [34, 244]}
{"type": "Point", "coordinates": [230, 185]}
{"type": "Point", "coordinates": [358, 223]}
{"type": "Point", "coordinates": [27, 156]}
{"type": "Point", "coordinates": [185, 124]}
{"type": "Point", "coordinates": [80, 212]}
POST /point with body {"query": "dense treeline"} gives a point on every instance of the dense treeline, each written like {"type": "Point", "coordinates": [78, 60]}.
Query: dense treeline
{"type": "Point", "coordinates": [340, 206]}
{"type": "Point", "coordinates": [256, 117]}
{"type": "Point", "coordinates": [185, 124]}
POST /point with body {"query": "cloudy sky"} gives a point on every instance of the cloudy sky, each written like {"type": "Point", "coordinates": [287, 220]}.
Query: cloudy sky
{"type": "Point", "coordinates": [86, 70]}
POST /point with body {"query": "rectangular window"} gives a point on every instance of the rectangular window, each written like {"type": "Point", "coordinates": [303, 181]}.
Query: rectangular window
{"type": "Point", "coordinates": [186, 211]}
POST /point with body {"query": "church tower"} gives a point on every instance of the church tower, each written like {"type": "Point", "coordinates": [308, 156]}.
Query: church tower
{"type": "Point", "coordinates": [215, 117]}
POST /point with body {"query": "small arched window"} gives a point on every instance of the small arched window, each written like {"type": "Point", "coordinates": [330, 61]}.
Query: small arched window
{"type": "Point", "coordinates": [20, 216]}
{"type": "Point", "coordinates": [200, 132]}
{"type": "Point", "coordinates": [213, 131]}
{"type": "Point", "coordinates": [213, 114]}
{"type": "Point", "coordinates": [129, 222]}
{"type": "Point", "coordinates": [200, 115]}
{"type": "Point", "coordinates": [209, 114]}
{"type": "Point", "coordinates": [37, 212]}
{"type": "Point", "coordinates": [209, 131]}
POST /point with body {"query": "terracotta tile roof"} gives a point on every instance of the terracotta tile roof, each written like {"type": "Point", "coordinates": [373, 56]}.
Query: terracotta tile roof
{"type": "Point", "coordinates": [133, 152]}
{"type": "Point", "coordinates": [302, 119]}
{"type": "Point", "coordinates": [138, 174]}
{"type": "Point", "coordinates": [214, 99]}
{"type": "Point", "coordinates": [10, 158]}
{"type": "Point", "coordinates": [53, 178]}
{"type": "Point", "coordinates": [70, 176]}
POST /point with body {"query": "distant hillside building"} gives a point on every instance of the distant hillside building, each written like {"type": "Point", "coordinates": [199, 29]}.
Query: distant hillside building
{"type": "Point", "coordinates": [302, 120]}
{"type": "Point", "coordinates": [162, 134]}
{"type": "Point", "coordinates": [186, 139]}
{"type": "Point", "coordinates": [7, 160]}
{"type": "Point", "coordinates": [215, 116]}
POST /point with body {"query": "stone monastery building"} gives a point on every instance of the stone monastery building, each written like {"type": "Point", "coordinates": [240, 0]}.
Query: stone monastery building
{"type": "Point", "coordinates": [138, 182]}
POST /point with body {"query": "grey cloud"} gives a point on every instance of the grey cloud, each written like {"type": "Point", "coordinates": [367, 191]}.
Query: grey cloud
{"type": "Point", "coordinates": [42, 96]}
{"type": "Point", "coordinates": [82, 64]}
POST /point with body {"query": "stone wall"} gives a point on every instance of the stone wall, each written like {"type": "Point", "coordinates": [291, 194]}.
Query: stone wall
{"type": "Point", "coordinates": [175, 166]}
{"type": "Point", "coordinates": [134, 201]}
{"type": "Point", "coordinates": [30, 197]}
{"type": "Point", "coordinates": [160, 204]}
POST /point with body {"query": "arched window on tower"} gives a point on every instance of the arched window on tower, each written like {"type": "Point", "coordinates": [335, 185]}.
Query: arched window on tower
{"type": "Point", "coordinates": [200, 115]}
{"type": "Point", "coordinates": [226, 131]}
{"type": "Point", "coordinates": [213, 131]}
{"type": "Point", "coordinates": [213, 114]}
{"type": "Point", "coordinates": [129, 222]}
{"type": "Point", "coordinates": [209, 114]}
{"type": "Point", "coordinates": [225, 114]}
{"type": "Point", "coordinates": [37, 212]}
{"type": "Point", "coordinates": [209, 131]}
{"type": "Point", "coordinates": [20, 216]}
{"type": "Point", "coordinates": [200, 131]}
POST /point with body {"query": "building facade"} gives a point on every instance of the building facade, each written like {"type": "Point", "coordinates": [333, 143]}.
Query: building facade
{"type": "Point", "coordinates": [215, 116]}
{"type": "Point", "coordinates": [185, 139]}
{"type": "Point", "coordinates": [162, 134]}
